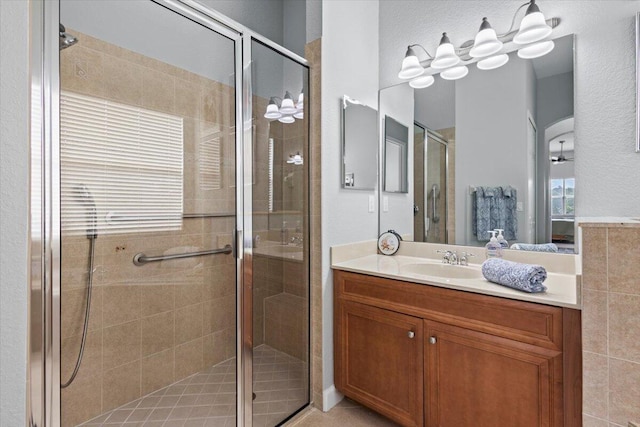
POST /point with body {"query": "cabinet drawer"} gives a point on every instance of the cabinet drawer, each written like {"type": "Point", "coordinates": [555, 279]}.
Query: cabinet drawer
{"type": "Point", "coordinates": [522, 321]}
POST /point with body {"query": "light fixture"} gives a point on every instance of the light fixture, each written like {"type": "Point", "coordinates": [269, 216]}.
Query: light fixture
{"type": "Point", "coordinates": [300, 104]}
{"type": "Point", "coordinates": [533, 27]}
{"type": "Point", "coordinates": [455, 73]}
{"type": "Point", "coordinates": [410, 65]}
{"type": "Point", "coordinates": [421, 82]}
{"type": "Point", "coordinates": [273, 112]}
{"type": "Point", "coordinates": [536, 50]}
{"type": "Point", "coordinates": [486, 42]}
{"type": "Point", "coordinates": [287, 106]}
{"type": "Point", "coordinates": [445, 54]}
{"type": "Point", "coordinates": [485, 49]}
{"type": "Point", "coordinates": [299, 114]}
{"type": "Point", "coordinates": [286, 119]}
{"type": "Point", "coordinates": [493, 62]}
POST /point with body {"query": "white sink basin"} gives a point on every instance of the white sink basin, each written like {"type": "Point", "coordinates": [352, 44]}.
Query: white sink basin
{"type": "Point", "coordinates": [444, 271]}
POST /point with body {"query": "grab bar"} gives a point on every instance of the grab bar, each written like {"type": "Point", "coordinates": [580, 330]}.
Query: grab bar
{"type": "Point", "coordinates": [141, 259]}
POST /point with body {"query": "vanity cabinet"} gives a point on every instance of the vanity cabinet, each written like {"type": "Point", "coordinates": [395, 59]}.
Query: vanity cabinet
{"type": "Point", "coordinates": [424, 355]}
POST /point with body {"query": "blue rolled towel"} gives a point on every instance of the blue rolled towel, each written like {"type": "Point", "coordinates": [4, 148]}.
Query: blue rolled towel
{"type": "Point", "coordinates": [523, 277]}
{"type": "Point", "coordinates": [542, 247]}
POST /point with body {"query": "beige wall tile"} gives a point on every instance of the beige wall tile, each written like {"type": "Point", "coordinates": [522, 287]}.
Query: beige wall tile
{"type": "Point", "coordinates": [91, 364]}
{"type": "Point", "coordinates": [624, 396]}
{"type": "Point", "coordinates": [158, 91]}
{"type": "Point", "coordinates": [157, 332]}
{"type": "Point", "coordinates": [624, 251]}
{"type": "Point", "coordinates": [156, 299]}
{"type": "Point", "coordinates": [189, 358]}
{"type": "Point", "coordinates": [123, 80]}
{"type": "Point", "coordinates": [595, 385]}
{"type": "Point", "coordinates": [82, 70]}
{"type": "Point", "coordinates": [121, 385]}
{"type": "Point", "coordinates": [594, 258]}
{"type": "Point", "coordinates": [588, 421]}
{"type": "Point", "coordinates": [594, 321]}
{"type": "Point", "coordinates": [189, 294]}
{"type": "Point", "coordinates": [120, 304]}
{"type": "Point", "coordinates": [189, 323]}
{"type": "Point", "coordinates": [73, 308]}
{"type": "Point", "coordinates": [157, 371]}
{"type": "Point", "coordinates": [624, 327]}
{"type": "Point", "coordinates": [81, 401]}
{"type": "Point", "coordinates": [121, 344]}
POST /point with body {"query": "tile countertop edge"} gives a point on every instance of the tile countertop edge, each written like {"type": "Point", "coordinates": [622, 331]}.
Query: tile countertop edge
{"type": "Point", "coordinates": [369, 264]}
{"type": "Point", "coordinates": [621, 222]}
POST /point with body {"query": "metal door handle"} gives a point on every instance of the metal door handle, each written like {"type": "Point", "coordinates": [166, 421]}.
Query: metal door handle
{"type": "Point", "coordinates": [411, 334]}
{"type": "Point", "coordinates": [432, 340]}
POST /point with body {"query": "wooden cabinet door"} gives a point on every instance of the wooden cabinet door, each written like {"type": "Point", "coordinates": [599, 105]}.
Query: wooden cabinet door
{"type": "Point", "coordinates": [480, 380]}
{"type": "Point", "coordinates": [379, 360]}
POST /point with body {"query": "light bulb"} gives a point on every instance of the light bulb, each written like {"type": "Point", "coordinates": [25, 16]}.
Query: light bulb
{"type": "Point", "coordinates": [272, 110]}
{"type": "Point", "coordinates": [287, 106]}
{"type": "Point", "coordinates": [486, 42]}
{"type": "Point", "coordinates": [455, 73]}
{"type": "Point", "coordinates": [421, 82]}
{"type": "Point", "coordinates": [445, 54]}
{"type": "Point", "coordinates": [536, 50]}
{"type": "Point", "coordinates": [493, 62]}
{"type": "Point", "coordinates": [533, 27]}
{"type": "Point", "coordinates": [410, 65]}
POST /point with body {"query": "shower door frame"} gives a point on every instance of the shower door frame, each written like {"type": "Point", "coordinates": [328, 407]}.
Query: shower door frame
{"type": "Point", "coordinates": [43, 372]}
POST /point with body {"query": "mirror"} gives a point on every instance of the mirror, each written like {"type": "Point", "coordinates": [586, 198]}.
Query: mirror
{"type": "Point", "coordinates": [509, 129]}
{"type": "Point", "coordinates": [359, 145]}
{"type": "Point", "coordinates": [396, 147]}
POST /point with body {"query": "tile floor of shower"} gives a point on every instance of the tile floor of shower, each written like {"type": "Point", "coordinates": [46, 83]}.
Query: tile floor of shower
{"type": "Point", "coordinates": [208, 399]}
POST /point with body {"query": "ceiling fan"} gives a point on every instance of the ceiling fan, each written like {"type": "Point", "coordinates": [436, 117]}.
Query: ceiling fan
{"type": "Point", "coordinates": [561, 158]}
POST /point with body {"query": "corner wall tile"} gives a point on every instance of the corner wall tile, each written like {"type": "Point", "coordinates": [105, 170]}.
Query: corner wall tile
{"type": "Point", "coordinates": [594, 258]}
{"type": "Point", "coordinates": [595, 386]}
{"type": "Point", "coordinates": [624, 253]}
{"type": "Point", "coordinates": [594, 321]}
{"type": "Point", "coordinates": [624, 395]}
{"type": "Point", "coordinates": [624, 327]}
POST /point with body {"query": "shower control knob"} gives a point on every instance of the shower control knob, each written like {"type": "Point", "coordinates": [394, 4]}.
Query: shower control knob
{"type": "Point", "coordinates": [411, 334]}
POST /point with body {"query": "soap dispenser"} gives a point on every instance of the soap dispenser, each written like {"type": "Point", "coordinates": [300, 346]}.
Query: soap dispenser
{"type": "Point", "coordinates": [503, 242]}
{"type": "Point", "coordinates": [493, 248]}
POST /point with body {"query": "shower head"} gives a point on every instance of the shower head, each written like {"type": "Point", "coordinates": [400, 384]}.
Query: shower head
{"type": "Point", "coordinates": [66, 40]}
{"type": "Point", "coordinates": [85, 197]}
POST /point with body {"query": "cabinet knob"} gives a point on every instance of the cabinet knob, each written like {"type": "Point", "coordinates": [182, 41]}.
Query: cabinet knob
{"type": "Point", "coordinates": [432, 340]}
{"type": "Point", "coordinates": [411, 334]}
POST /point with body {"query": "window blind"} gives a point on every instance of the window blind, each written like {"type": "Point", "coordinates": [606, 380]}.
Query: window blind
{"type": "Point", "coordinates": [209, 160]}
{"type": "Point", "coordinates": [129, 158]}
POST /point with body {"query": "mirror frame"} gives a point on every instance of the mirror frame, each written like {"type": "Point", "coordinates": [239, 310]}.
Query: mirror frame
{"type": "Point", "coordinates": [404, 167]}
{"type": "Point", "coordinates": [343, 150]}
{"type": "Point", "coordinates": [638, 82]}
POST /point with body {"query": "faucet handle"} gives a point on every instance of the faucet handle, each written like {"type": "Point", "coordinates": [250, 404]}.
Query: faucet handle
{"type": "Point", "coordinates": [464, 258]}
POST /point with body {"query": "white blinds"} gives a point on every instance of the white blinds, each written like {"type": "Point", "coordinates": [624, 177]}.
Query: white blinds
{"type": "Point", "coordinates": [129, 158]}
{"type": "Point", "coordinates": [209, 159]}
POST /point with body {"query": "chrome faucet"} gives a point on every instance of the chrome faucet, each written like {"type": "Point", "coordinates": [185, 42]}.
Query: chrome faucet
{"type": "Point", "coordinates": [449, 257]}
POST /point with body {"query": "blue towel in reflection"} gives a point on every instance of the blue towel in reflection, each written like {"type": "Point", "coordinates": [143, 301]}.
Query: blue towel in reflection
{"type": "Point", "coordinates": [542, 247]}
{"type": "Point", "coordinates": [523, 277]}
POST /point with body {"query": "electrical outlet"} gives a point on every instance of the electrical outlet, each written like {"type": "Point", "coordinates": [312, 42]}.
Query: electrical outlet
{"type": "Point", "coordinates": [372, 204]}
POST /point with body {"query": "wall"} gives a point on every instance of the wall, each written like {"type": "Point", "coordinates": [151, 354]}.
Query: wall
{"type": "Point", "coordinates": [349, 67]}
{"type": "Point", "coordinates": [440, 114]}
{"type": "Point", "coordinates": [605, 80]}
{"type": "Point", "coordinates": [485, 141]}
{"type": "Point", "coordinates": [14, 174]}
{"type": "Point", "coordinates": [610, 325]}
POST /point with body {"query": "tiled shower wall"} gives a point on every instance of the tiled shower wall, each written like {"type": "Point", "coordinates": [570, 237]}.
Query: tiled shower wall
{"type": "Point", "coordinates": [155, 324]}
{"type": "Point", "coordinates": [611, 324]}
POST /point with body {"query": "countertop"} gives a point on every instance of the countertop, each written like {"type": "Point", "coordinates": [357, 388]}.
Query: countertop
{"type": "Point", "coordinates": [562, 287]}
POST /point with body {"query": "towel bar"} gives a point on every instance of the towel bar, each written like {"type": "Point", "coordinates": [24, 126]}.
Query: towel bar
{"type": "Point", "coordinates": [141, 259]}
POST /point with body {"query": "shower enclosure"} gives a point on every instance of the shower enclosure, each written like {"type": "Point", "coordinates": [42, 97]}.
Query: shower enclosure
{"type": "Point", "coordinates": [430, 220]}
{"type": "Point", "coordinates": [174, 219]}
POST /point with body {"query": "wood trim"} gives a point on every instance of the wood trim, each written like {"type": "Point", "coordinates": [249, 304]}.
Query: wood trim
{"type": "Point", "coordinates": [572, 366]}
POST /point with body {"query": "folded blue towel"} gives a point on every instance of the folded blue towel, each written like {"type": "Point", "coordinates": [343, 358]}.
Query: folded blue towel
{"type": "Point", "coordinates": [523, 277]}
{"type": "Point", "coordinates": [543, 247]}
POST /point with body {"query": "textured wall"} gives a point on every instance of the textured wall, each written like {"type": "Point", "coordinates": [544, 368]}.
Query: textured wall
{"type": "Point", "coordinates": [14, 173]}
{"type": "Point", "coordinates": [605, 80]}
{"type": "Point", "coordinates": [349, 66]}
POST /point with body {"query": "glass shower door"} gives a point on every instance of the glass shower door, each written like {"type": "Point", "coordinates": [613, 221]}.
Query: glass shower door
{"type": "Point", "coordinates": [148, 214]}
{"type": "Point", "coordinates": [280, 233]}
